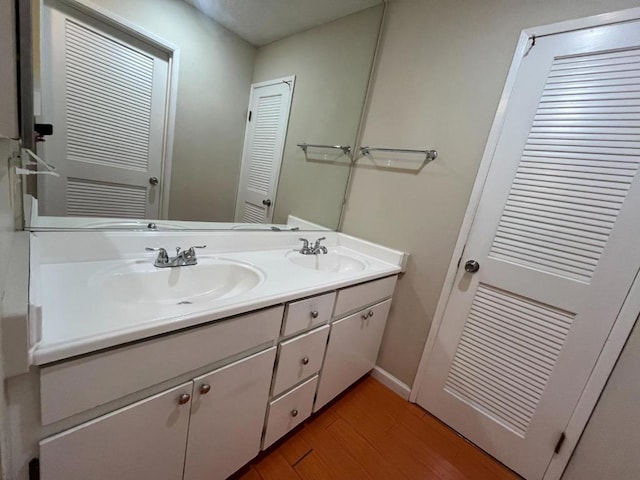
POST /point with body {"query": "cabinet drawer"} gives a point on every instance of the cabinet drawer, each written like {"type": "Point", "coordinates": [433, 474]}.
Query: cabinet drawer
{"type": "Point", "coordinates": [143, 440]}
{"type": "Point", "coordinates": [77, 385]}
{"type": "Point", "coordinates": [354, 298]}
{"type": "Point", "coordinates": [308, 313]}
{"type": "Point", "coordinates": [300, 358]}
{"type": "Point", "coordinates": [352, 350]}
{"type": "Point", "coordinates": [289, 411]}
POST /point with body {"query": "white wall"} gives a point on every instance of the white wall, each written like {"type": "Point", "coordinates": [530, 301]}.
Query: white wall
{"type": "Point", "coordinates": [8, 238]}
{"type": "Point", "coordinates": [216, 68]}
{"type": "Point", "coordinates": [609, 446]}
{"type": "Point", "coordinates": [332, 64]}
{"type": "Point", "coordinates": [8, 101]}
{"type": "Point", "coordinates": [440, 75]}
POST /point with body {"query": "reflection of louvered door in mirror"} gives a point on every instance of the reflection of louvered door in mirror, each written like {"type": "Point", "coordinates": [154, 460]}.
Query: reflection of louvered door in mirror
{"type": "Point", "coordinates": [105, 92]}
{"type": "Point", "coordinates": [269, 106]}
{"type": "Point", "coordinates": [555, 237]}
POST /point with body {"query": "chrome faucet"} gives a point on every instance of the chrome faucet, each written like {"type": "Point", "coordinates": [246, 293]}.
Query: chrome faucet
{"type": "Point", "coordinates": [183, 258]}
{"type": "Point", "coordinates": [315, 250]}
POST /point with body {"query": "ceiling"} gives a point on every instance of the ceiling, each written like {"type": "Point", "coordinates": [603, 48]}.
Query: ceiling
{"type": "Point", "coordinates": [264, 21]}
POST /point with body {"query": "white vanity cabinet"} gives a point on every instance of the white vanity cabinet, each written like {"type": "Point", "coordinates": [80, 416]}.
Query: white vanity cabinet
{"type": "Point", "coordinates": [213, 423]}
{"type": "Point", "coordinates": [217, 418]}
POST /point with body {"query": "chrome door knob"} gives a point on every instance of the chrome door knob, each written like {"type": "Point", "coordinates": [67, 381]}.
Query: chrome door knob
{"type": "Point", "coordinates": [305, 361]}
{"type": "Point", "coordinates": [205, 388]}
{"type": "Point", "coordinates": [153, 181]}
{"type": "Point", "coordinates": [184, 398]}
{"type": "Point", "coordinates": [471, 266]}
{"type": "Point", "coordinates": [314, 314]}
{"type": "Point", "coordinates": [294, 413]}
{"type": "Point", "coordinates": [266, 202]}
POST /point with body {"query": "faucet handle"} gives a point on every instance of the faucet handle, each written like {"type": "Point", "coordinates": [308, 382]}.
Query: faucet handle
{"type": "Point", "coordinates": [163, 256]}
{"type": "Point", "coordinates": [317, 244]}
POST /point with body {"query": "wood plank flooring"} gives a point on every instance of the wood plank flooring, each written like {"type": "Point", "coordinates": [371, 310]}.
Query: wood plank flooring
{"type": "Point", "coordinates": [370, 433]}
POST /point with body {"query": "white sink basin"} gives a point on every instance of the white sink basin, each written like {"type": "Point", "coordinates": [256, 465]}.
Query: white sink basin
{"type": "Point", "coordinates": [139, 282]}
{"type": "Point", "coordinates": [328, 262]}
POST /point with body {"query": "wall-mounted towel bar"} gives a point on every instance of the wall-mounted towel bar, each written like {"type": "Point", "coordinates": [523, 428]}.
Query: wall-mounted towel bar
{"type": "Point", "coordinates": [346, 149]}
{"type": "Point", "coordinates": [430, 155]}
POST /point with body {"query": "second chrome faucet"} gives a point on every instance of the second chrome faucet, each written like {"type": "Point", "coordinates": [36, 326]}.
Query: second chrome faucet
{"type": "Point", "coordinates": [312, 250]}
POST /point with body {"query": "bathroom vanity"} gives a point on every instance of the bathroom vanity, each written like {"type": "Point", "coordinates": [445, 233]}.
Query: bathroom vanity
{"type": "Point", "coordinates": [188, 372]}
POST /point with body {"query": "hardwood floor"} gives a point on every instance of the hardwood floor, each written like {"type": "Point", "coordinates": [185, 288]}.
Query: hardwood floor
{"type": "Point", "coordinates": [370, 433]}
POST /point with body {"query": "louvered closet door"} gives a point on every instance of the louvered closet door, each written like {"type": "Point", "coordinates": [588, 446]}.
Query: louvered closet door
{"type": "Point", "coordinates": [266, 130]}
{"type": "Point", "coordinates": [556, 235]}
{"type": "Point", "coordinates": [106, 95]}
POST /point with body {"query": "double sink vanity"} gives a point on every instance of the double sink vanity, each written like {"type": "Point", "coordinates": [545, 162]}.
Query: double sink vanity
{"type": "Point", "coordinates": [189, 371]}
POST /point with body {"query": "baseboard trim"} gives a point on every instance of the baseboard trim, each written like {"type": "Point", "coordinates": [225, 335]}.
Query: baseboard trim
{"type": "Point", "coordinates": [391, 382]}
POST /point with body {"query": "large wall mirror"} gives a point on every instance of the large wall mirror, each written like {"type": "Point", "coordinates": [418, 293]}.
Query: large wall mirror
{"type": "Point", "coordinates": [193, 110]}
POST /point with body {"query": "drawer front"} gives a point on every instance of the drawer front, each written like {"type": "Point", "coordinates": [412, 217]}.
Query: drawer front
{"type": "Point", "coordinates": [299, 358]}
{"type": "Point", "coordinates": [308, 313]}
{"type": "Point", "coordinates": [288, 411]}
{"type": "Point", "coordinates": [354, 298]}
{"type": "Point", "coordinates": [77, 385]}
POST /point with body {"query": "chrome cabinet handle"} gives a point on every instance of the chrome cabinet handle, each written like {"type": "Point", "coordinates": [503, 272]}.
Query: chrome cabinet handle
{"type": "Point", "coordinates": [184, 398]}
{"type": "Point", "coordinates": [266, 202]}
{"type": "Point", "coordinates": [364, 316]}
{"type": "Point", "coordinates": [205, 388]}
{"type": "Point", "coordinates": [305, 361]}
{"type": "Point", "coordinates": [314, 314]}
{"type": "Point", "coordinates": [153, 181]}
{"type": "Point", "coordinates": [294, 413]}
{"type": "Point", "coordinates": [370, 314]}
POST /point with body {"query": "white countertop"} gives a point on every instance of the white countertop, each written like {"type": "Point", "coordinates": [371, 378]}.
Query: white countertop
{"type": "Point", "coordinates": [77, 317]}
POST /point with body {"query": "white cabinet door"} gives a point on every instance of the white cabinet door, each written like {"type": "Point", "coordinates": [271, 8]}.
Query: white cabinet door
{"type": "Point", "coordinates": [143, 440]}
{"type": "Point", "coordinates": [352, 351]}
{"type": "Point", "coordinates": [227, 417]}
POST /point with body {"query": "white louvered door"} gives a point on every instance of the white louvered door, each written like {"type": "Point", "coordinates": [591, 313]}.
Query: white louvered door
{"type": "Point", "coordinates": [266, 131]}
{"type": "Point", "coordinates": [106, 94]}
{"type": "Point", "coordinates": [556, 236]}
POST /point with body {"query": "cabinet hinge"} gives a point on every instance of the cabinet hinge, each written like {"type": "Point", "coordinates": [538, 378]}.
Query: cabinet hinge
{"type": "Point", "coordinates": [559, 444]}
{"type": "Point", "coordinates": [250, 114]}
{"type": "Point", "coordinates": [34, 469]}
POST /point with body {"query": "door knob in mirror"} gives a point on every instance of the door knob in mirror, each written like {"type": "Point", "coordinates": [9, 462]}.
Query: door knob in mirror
{"type": "Point", "coordinates": [153, 181]}
{"type": "Point", "coordinates": [266, 202]}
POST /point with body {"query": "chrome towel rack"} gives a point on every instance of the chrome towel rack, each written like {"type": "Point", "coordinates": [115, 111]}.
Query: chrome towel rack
{"type": "Point", "coordinates": [346, 149]}
{"type": "Point", "coordinates": [430, 155]}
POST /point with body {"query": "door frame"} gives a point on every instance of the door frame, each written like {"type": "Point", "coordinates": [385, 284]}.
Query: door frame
{"type": "Point", "coordinates": [173, 53]}
{"type": "Point", "coordinates": [291, 81]}
{"type": "Point", "coordinates": [631, 307]}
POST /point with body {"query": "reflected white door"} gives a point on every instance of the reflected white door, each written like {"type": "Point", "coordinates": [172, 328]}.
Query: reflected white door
{"type": "Point", "coordinates": [556, 239]}
{"type": "Point", "coordinates": [105, 92]}
{"type": "Point", "coordinates": [265, 134]}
